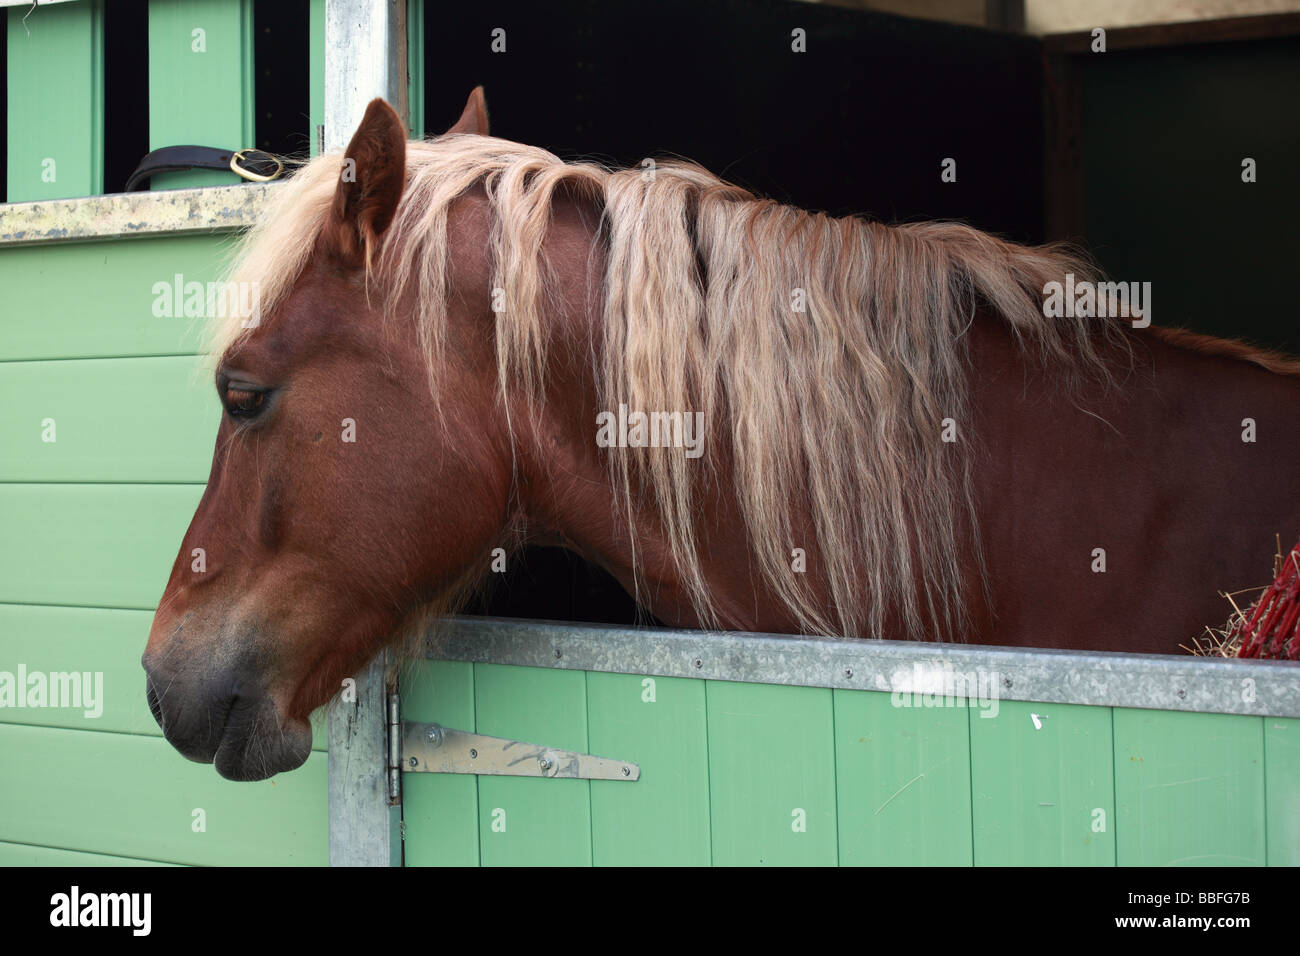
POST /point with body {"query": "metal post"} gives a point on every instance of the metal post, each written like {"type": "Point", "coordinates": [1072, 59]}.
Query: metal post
{"type": "Point", "coordinates": [365, 57]}
{"type": "Point", "coordinates": [365, 826]}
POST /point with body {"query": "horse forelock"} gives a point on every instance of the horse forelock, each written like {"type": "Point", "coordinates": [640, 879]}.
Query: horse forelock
{"type": "Point", "coordinates": [826, 352]}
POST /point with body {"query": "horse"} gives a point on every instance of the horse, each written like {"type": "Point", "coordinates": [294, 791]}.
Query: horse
{"type": "Point", "coordinates": [755, 417]}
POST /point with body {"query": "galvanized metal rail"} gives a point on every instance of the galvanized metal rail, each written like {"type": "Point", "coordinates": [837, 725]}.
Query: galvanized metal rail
{"type": "Point", "coordinates": [1160, 682]}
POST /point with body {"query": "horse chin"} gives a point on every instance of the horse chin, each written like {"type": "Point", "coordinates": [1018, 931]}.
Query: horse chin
{"type": "Point", "coordinates": [265, 748]}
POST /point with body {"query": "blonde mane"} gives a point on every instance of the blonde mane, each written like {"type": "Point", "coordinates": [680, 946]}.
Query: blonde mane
{"type": "Point", "coordinates": [826, 352]}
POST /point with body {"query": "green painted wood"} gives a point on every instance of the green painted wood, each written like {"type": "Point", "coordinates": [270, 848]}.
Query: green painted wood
{"type": "Point", "coordinates": [18, 854]}
{"type": "Point", "coordinates": [137, 419]}
{"type": "Point", "coordinates": [316, 64]}
{"type": "Point", "coordinates": [1042, 778]}
{"type": "Point", "coordinates": [127, 795]}
{"type": "Point", "coordinates": [659, 723]}
{"type": "Point", "coordinates": [91, 545]}
{"type": "Point", "coordinates": [200, 81]}
{"type": "Point", "coordinates": [903, 778]}
{"type": "Point", "coordinates": [1189, 789]}
{"type": "Point", "coordinates": [771, 769]}
{"type": "Point", "coordinates": [96, 640]}
{"type": "Point", "coordinates": [442, 808]}
{"type": "Point", "coordinates": [533, 821]}
{"type": "Point", "coordinates": [102, 299]}
{"type": "Point", "coordinates": [56, 101]}
{"type": "Point", "coordinates": [1282, 783]}
{"type": "Point", "coordinates": [415, 65]}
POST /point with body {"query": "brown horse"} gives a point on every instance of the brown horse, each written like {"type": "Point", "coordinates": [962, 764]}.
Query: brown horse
{"type": "Point", "coordinates": [755, 417]}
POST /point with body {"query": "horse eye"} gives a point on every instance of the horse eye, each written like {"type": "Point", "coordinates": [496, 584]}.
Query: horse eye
{"type": "Point", "coordinates": [243, 402]}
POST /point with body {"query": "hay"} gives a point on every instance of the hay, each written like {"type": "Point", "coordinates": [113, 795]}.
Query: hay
{"type": "Point", "coordinates": [1270, 627]}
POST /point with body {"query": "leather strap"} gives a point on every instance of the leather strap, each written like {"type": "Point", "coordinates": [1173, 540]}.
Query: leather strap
{"type": "Point", "coordinates": [251, 164]}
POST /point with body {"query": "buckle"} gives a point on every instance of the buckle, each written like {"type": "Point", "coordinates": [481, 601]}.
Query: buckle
{"type": "Point", "coordinates": [248, 174]}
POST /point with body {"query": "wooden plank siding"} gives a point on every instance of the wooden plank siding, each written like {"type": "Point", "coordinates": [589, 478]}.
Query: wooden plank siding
{"type": "Point", "coordinates": [200, 82]}
{"type": "Point", "coordinates": [761, 774]}
{"type": "Point", "coordinates": [90, 525]}
{"type": "Point", "coordinates": [55, 113]}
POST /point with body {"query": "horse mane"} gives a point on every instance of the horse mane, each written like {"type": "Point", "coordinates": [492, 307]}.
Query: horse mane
{"type": "Point", "coordinates": [827, 352]}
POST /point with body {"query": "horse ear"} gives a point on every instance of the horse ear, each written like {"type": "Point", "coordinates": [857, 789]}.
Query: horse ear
{"type": "Point", "coordinates": [473, 118]}
{"type": "Point", "coordinates": [370, 184]}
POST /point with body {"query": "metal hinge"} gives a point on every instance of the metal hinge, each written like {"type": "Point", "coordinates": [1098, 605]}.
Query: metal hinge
{"type": "Point", "coordinates": [394, 729]}
{"type": "Point", "coordinates": [431, 748]}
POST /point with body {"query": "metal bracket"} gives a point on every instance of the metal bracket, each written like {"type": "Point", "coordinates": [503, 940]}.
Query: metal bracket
{"type": "Point", "coordinates": [431, 748]}
{"type": "Point", "coordinates": [393, 732]}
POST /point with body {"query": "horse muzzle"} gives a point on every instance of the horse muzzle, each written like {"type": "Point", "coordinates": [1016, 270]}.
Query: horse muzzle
{"type": "Point", "coordinates": [226, 720]}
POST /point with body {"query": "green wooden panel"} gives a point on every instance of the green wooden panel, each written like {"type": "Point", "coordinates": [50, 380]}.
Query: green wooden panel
{"type": "Point", "coordinates": [533, 821]}
{"type": "Point", "coordinates": [415, 65]}
{"type": "Point", "coordinates": [108, 642]}
{"type": "Point", "coordinates": [138, 419]}
{"type": "Point", "coordinates": [19, 854]}
{"type": "Point", "coordinates": [1042, 777]}
{"type": "Point", "coordinates": [56, 101]}
{"type": "Point", "coordinates": [91, 545]}
{"type": "Point", "coordinates": [200, 81]}
{"type": "Point", "coordinates": [440, 810]}
{"type": "Point", "coordinates": [316, 63]}
{"type": "Point", "coordinates": [1189, 789]}
{"type": "Point", "coordinates": [102, 299]}
{"type": "Point", "coordinates": [1282, 780]}
{"type": "Point", "coordinates": [662, 819]}
{"type": "Point", "coordinates": [903, 778]}
{"type": "Point", "coordinates": [771, 774]}
{"type": "Point", "coordinates": [125, 795]}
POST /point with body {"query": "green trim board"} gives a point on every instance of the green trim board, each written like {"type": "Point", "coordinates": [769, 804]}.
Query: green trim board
{"type": "Point", "coordinates": [415, 66]}
{"type": "Point", "coordinates": [201, 83]}
{"type": "Point", "coordinates": [903, 778]}
{"type": "Point", "coordinates": [88, 420]}
{"type": "Point", "coordinates": [316, 64]}
{"type": "Point", "coordinates": [25, 854]}
{"type": "Point", "coordinates": [533, 822]}
{"type": "Point", "coordinates": [743, 773]}
{"type": "Point", "coordinates": [55, 116]}
{"type": "Point", "coordinates": [98, 299]}
{"type": "Point", "coordinates": [105, 643]}
{"type": "Point", "coordinates": [444, 807]}
{"type": "Point", "coordinates": [91, 545]}
{"type": "Point", "coordinates": [134, 796]}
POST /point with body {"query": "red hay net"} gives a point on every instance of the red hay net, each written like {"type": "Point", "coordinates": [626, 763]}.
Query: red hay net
{"type": "Point", "coordinates": [1271, 627]}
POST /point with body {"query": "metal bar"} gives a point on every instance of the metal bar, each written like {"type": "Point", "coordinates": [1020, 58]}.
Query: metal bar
{"type": "Point", "coordinates": [175, 212]}
{"type": "Point", "coordinates": [1070, 677]}
{"type": "Point", "coordinates": [431, 748]}
{"type": "Point", "coordinates": [365, 57]}
{"type": "Point", "coordinates": [365, 827]}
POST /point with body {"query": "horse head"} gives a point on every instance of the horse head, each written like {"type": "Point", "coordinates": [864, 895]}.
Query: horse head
{"type": "Point", "coordinates": [336, 506]}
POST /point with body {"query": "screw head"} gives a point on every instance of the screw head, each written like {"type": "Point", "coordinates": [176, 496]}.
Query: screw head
{"type": "Point", "coordinates": [627, 771]}
{"type": "Point", "coordinates": [473, 754]}
{"type": "Point", "coordinates": [699, 663]}
{"type": "Point", "coordinates": [414, 762]}
{"type": "Point", "coordinates": [848, 672]}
